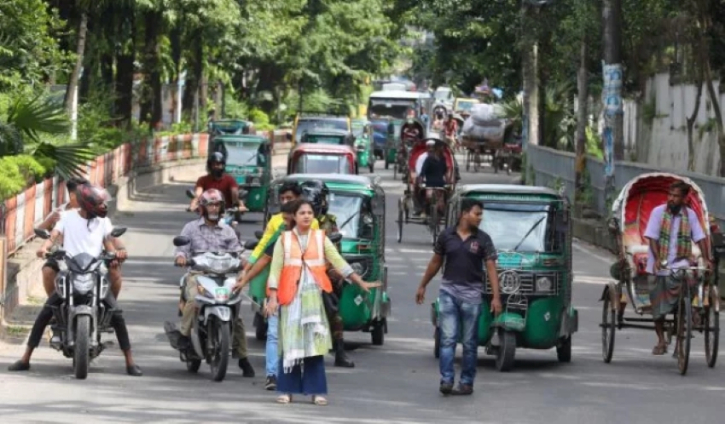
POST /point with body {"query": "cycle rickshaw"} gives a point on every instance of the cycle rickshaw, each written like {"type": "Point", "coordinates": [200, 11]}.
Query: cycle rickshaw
{"type": "Point", "coordinates": [698, 301]}
{"type": "Point", "coordinates": [434, 215]}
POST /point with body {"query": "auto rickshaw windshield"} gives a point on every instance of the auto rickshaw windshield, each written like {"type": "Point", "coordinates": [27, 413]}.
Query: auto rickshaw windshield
{"type": "Point", "coordinates": [346, 208]}
{"type": "Point", "coordinates": [322, 164]}
{"type": "Point", "coordinates": [516, 226]}
{"type": "Point", "coordinates": [245, 154]}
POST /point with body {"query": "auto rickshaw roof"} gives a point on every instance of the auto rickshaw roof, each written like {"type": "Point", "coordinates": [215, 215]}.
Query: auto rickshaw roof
{"type": "Point", "coordinates": [507, 188]}
{"type": "Point", "coordinates": [396, 95]}
{"type": "Point", "coordinates": [327, 131]}
{"type": "Point", "coordinates": [362, 180]}
{"type": "Point", "coordinates": [323, 148]}
{"type": "Point", "coordinates": [230, 124]}
{"type": "Point", "coordinates": [242, 137]}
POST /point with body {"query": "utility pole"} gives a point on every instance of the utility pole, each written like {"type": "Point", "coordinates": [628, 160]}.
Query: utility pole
{"type": "Point", "coordinates": [613, 134]}
{"type": "Point", "coordinates": [529, 50]}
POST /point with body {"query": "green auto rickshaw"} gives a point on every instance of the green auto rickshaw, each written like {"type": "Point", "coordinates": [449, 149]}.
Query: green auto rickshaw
{"type": "Point", "coordinates": [249, 161]}
{"type": "Point", "coordinates": [229, 127]}
{"type": "Point", "coordinates": [532, 231]}
{"type": "Point", "coordinates": [363, 132]}
{"type": "Point", "coordinates": [358, 203]}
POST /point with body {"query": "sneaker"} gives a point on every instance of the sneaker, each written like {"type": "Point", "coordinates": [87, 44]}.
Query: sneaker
{"type": "Point", "coordinates": [463, 390]}
{"type": "Point", "coordinates": [270, 383]}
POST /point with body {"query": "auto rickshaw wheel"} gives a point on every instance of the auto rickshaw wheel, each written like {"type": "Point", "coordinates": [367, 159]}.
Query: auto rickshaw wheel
{"type": "Point", "coordinates": [378, 333]}
{"type": "Point", "coordinates": [506, 354]}
{"type": "Point", "coordinates": [371, 164]}
{"type": "Point", "coordinates": [609, 316]}
{"type": "Point", "coordinates": [437, 343]}
{"type": "Point", "coordinates": [563, 351]}
{"type": "Point", "coordinates": [684, 333]}
{"type": "Point", "coordinates": [712, 329]}
{"type": "Point", "coordinates": [260, 329]}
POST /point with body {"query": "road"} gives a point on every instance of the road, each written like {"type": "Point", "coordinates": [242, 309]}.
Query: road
{"type": "Point", "coordinates": [394, 383]}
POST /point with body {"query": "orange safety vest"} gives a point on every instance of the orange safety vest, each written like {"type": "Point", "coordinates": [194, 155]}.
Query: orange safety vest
{"type": "Point", "coordinates": [294, 259]}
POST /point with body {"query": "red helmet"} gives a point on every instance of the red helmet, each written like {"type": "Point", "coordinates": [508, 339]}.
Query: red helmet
{"type": "Point", "coordinates": [93, 200]}
{"type": "Point", "coordinates": [209, 197]}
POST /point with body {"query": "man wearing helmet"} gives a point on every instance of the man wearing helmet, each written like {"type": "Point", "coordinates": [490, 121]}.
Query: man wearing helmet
{"type": "Point", "coordinates": [207, 235]}
{"type": "Point", "coordinates": [317, 192]}
{"type": "Point", "coordinates": [83, 230]}
{"type": "Point", "coordinates": [219, 180]}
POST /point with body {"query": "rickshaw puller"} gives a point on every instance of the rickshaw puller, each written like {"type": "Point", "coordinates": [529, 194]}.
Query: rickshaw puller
{"type": "Point", "coordinates": [434, 172]}
{"type": "Point", "coordinates": [671, 229]}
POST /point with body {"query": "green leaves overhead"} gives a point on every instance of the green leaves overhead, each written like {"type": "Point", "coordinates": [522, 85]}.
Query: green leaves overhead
{"type": "Point", "coordinates": [35, 116]}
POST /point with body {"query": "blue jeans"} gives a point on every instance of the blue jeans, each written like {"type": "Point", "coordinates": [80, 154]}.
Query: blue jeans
{"type": "Point", "coordinates": [310, 380]}
{"type": "Point", "coordinates": [455, 313]}
{"type": "Point", "coordinates": [272, 360]}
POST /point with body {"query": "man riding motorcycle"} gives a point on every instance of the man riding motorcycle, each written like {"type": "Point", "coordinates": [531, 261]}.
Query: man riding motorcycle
{"type": "Point", "coordinates": [316, 192]}
{"type": "Point", "coordinates": [207, 235]}
{"type": "Point", "coordinates": [83, 230]}
{"type": "Point", "coordinates": [219, 180]}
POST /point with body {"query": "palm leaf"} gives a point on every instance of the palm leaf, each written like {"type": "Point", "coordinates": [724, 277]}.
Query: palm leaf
{"type": "Point", "coordinates": [11, 141]}
{"type": "Point", "coordinates": [37, 115]}
{"type": "Point", "coordinates": [69, 159]}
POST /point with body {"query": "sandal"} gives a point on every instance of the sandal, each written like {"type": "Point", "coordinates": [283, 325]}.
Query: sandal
{"type": "Point", "coordinates": [319, 400]}
{"type": "Point", "coordinates": [660, 349]}
{"type": "Point", "coordinates": [284, 399]}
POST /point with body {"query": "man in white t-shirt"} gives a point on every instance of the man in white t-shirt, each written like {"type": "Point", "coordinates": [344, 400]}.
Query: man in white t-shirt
{"type": "Point", "coordinates": [83, 230]}
{"type": "Point", "coordinates": [418, 194]}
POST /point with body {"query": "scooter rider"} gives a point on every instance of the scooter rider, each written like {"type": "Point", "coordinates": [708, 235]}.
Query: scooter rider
{"type": "Point", "coordinates": [316, 192]}
{"type": "Point", "coordinates": [207, 235]}
{"type": "Point", "coordinates": [83, 230]}
{"type": "Point", "coordinates": [218, 179]}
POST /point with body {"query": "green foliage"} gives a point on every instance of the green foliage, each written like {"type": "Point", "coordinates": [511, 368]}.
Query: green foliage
{"type": "Point", "coordinates": [594, 144]}
{"type": "Point", "coordinates": [16, 172]}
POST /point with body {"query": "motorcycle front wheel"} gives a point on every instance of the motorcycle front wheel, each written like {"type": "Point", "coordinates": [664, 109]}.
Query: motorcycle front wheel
{"type": "Point", "coordinates": [218, 348]}
{"type": "Point", "coordinates": [81, 350]}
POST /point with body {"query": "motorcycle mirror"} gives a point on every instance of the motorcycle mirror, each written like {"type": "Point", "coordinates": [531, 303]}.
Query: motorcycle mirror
{"type": "Point", "coordinates": [250, 244]}
{"type": "Point", "coordinates": [336, 237]}
{"type": "Point", "coordinates": [258, 234]}
{"type": "Point", "coordinates": [181, 241]}
{"type": "Point", "coordinates": [118, 231]}
{"type": "Point", "coordinates": [190, 194]}
{"type": "Point", "coordinates": [44, 234]}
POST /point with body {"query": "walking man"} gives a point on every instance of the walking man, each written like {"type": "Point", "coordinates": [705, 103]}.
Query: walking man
{"type": "Point", "coordinates": [463, 248]}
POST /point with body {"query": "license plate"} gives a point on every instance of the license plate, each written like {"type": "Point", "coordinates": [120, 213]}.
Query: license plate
{"type": "Point", "coordinates": [221, 294]}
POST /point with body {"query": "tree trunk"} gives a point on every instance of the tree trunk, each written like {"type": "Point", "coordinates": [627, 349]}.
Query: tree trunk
{"type": "Point", "coordinates": [691, 124]}
{"type": "Point", "coordinates": [718, 114]}
{"type": "Point", "coordinates": [151, 111]}
{"type": "Point", "coordinates": [582, 115]}
{"type": "Point", "coordinates": [531, 82]}
{"type": "Point", "coordinates": [80, 52]}
{"type": "Point", "coordinates": [193, 76]}
{"type": "Point", "coordinates": [612, 17]}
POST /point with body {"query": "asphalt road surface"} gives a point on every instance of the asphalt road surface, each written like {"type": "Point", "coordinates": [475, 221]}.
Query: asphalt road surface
{"type": "Point", "coordinates": [394, 383]}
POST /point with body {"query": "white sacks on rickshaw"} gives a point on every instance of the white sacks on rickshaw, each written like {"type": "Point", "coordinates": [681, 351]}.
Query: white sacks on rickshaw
{"type": "Point", "coordinates": [486, 115]}
{"type": "Point", "coordinates": [491, 133]}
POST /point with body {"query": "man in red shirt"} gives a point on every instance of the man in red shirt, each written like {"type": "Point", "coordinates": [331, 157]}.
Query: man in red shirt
{"type": "Point", "coordinates": [216, 178]}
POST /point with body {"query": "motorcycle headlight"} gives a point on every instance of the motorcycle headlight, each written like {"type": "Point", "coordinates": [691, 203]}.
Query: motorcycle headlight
{"type": "Point", "coordinates": [219, 265]}
{"type": "Point", "coordinates": [82, 284]}
{"type": "Point", "coordinates": [543, 284]}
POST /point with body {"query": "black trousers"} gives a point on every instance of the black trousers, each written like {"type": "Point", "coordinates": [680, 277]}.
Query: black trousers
{"type": "Point", "coordinates": [46, 314]}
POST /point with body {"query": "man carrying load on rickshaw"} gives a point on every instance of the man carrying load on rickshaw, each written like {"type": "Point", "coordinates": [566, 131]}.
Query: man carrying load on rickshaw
{"type": "Point", "coordinates": [671, 229]}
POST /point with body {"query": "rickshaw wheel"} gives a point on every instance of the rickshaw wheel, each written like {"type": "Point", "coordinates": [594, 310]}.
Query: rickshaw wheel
{"type": "Point", "coordinates": [400, 221]}
{"type": "Point", "coordinates": [712, 330]}
{"type": "Point", "coordinates": [684, 333]}
{"type": "Point", "coordinates": [437, 343]}
{"type": "Point", "coordinates": [395, 171]}
{"type": "Point", "coordinates": [608, 325]}
{"type": "Point", "coordinates": [506, 354]}
{"type": "Point", "coordinates": [468, 160]}
{"type": "Point", "coordinates": [434, 221]}
{"type": "Point", "coordinates": [378, 334]}
{"type": "Point", "coordinates": [563, 351]}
